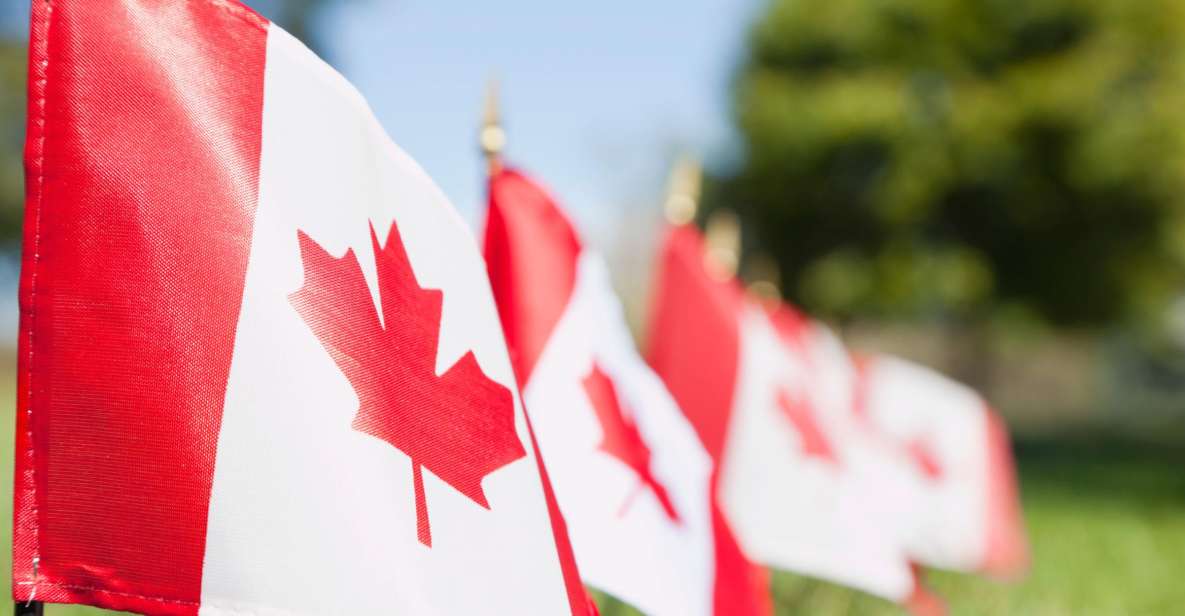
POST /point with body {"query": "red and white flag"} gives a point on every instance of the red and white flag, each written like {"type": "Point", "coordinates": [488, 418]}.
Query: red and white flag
{"type": "Point", "coordinates": [969, 507]}
{"type": "Point", "coordinates": [631, 477]}
{"type": "Point", "coordinates": [803, 485]}
{"type": "Point", "coordinates": [261, 369]}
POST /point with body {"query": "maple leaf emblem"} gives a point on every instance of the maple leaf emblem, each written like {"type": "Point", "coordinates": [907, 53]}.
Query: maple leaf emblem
{"type": "Point", "coordinates": [620, 438]}
{"type": "Point", "coordinates": [460, 424]}
{"type": "Point", "coordinates": [918, 450]}
{"type": "Point", "coordinates": [799, 411]}
{"type": "Point", "coordinates": [925, 459]}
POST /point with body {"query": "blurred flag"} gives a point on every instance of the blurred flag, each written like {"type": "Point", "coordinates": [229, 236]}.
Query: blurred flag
{"type": "Point", "coordinates": [969, 508]}
{"type": "Point", "coordinates": [769, 393]}
{"type": "Point", "coordinates": [261, 369]}
{"type": "Point", "coordinates": [632, 479]}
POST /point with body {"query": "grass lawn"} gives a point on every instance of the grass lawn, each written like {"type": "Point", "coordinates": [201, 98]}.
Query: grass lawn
{"type": "Point", "coordinates": [1106, 520]}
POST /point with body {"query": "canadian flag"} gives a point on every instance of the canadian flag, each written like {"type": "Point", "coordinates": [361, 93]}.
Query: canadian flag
{"type": "Point", "coordinates": [261, 369]}
{"type": "Point", "coordinates": [804, 485]}
{"type": "Point", "coordinates": [969, 507]}
{"type": "Point", "coordinates": [632, 478]}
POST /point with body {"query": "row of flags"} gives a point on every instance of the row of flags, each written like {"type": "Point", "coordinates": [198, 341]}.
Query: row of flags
{"type": "Point", "coordinates": [265, 368]}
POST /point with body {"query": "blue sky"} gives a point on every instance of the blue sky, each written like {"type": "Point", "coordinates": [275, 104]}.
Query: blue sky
{"type": "Point", "coordinates": [596, 96]}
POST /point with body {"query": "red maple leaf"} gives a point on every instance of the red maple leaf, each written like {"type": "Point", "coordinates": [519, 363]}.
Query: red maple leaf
{"type": "Point", "coordinates": [620, 437]}
{"type": "Point", "coordinates": [801, 414]}
{"type": "Point", "coordinates": [918, 450]}
{"type": "Point", "coordinates": [926, 459]}
{"type": "Point", "coordinates": [460, 424]}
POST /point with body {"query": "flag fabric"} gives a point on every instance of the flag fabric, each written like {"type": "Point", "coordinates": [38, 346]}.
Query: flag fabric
{"type": "Point", "coordinates": [632, 479]}
{"type": "Point", "coordinates": [769, 393]}
{"type": "Point", "coordinates": [969, 506]}
{"type": "Point", "coordinates": [261, 369]}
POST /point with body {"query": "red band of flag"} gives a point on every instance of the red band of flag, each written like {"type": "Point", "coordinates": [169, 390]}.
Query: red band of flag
{"type": "Point", "coordinates": [120, 452]}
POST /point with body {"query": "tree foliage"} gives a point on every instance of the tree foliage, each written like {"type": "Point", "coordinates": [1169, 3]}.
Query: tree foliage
{"type": "Point", "coordinates": [12, 135]}
{"type": "Point", "coordinates": [920, 158]}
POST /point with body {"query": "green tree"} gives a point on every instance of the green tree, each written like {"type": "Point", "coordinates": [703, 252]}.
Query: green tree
{"type": "Point", "coordinates": [12, 134]}
{"type": "Point", "coordinates": [921, 158]}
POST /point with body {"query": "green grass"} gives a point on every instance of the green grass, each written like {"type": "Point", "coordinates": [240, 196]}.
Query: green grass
{"type": "Point", "coordinates": [1106, 521]}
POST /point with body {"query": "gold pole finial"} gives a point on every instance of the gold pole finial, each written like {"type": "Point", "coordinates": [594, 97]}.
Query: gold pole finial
{"type": "Point", "coordinates": [683, 191]}
{"type": "Point", "coordinates": [765, 279]}
{"type": "Point", "coordinates": [722, 239]}
{"type": "Point", "coordinates": [492, 138]}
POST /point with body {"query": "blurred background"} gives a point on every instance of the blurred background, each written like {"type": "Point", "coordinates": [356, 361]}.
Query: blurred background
{"type": "Point", "coordinates": [995, 188]}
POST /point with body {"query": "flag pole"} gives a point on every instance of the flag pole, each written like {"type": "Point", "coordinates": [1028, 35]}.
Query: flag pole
{"type": "Point", "coordinates": [722, 239]}
{"type": "Point", "coordinates": [683, 188]}
{"type": "Point", "coordinates": [492, 137]}
{"type": "Point", "coordinates": [30, 607]}
{"type": "Point", "coordinates": [722, 229]}
{"type": "Point", "coordinates": [764, 278]}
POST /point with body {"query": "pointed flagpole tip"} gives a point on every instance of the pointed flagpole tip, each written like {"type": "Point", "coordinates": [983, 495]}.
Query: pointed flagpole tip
{"type": "Point", "coordinates": [764, 277]}
{"type": "Point", "coordinates": [492, 138]}
{"type": "Point", "coordinates": [722, 237]}
{"type": "Point", "coordinates": [683, 189]}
